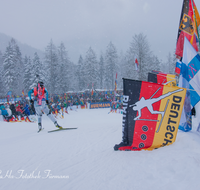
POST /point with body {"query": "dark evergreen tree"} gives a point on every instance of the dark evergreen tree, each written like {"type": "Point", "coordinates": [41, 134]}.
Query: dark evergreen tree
{"type": "Point", "coordinates": [91, 69]}
{"type": "Point", "coordinates": [73, 81]}
{"type": "Point", "coordinates": [171, 62]}
{"type": "Point", "coordinates": [121, 70]}
{"type": "Point", "coordinates": [51, 61]}
{"type": "Point", "coordinates": [140, 49]}
{"type": "Point", "coordinates": [154, 64]}
{"type": "Point", "coordinates": [63, 69]}
{"type": "Point", "coordinates": [1, 76]}
{"type": "Point", "coordinates": [27, 80]}
{"type": "Point", "coordinates": [19, 67]}
{"type": "Point", "coordinates": [111, 62]}
{"type": "Point", "coordinates": [101, 72]}
{"type": "Point", "coordinates": [80, 74]}
{"type": "Point", "coordinates": [12, 68]}
{"type": "Point", "coordinates": [37, 71]}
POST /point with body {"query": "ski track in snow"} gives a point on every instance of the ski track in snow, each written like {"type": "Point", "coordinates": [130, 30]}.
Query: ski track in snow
{"type": "Point", "coordinates": [86, 155]}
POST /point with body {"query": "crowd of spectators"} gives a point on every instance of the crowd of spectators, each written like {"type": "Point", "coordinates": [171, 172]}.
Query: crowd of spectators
{"type": "Point", "coordinates": [22, 108]}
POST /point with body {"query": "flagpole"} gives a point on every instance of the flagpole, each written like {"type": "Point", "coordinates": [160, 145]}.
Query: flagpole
{"type": "Point", "coordinates": [115, 90]}
{"type": "Point", "coordinates": [196, 25]}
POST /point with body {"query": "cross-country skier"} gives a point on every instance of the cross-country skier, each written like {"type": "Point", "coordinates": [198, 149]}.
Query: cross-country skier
{"type": "Point", "coordinates": [41, 104]}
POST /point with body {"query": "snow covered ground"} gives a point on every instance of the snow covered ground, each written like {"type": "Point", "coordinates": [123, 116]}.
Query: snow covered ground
{"type": "Point", "coordinates": [84, 158]}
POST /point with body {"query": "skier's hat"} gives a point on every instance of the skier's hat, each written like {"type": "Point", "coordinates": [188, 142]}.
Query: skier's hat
{"type": "Point", "coordinates": [41, 83]}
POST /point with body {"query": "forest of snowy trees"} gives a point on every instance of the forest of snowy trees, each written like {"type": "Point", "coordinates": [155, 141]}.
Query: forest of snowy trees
{"type": "Point", "coordinates": [18, 72]}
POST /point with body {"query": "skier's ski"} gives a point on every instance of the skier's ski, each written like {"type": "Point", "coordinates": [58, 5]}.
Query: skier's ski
{"type": "Point", "coordinates": [61, 129]}
{"type": "Point", "coordinates": [40, 130]}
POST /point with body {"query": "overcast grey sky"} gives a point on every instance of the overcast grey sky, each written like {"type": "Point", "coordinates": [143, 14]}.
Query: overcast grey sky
{"type": "Point", "coordinates": [81, 24]}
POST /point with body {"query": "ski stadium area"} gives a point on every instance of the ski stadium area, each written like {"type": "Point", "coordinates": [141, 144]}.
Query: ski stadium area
{"type": "Point", "coordinates": [84, 158]}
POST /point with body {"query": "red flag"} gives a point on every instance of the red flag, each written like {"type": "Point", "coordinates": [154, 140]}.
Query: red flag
{"type": "Point", "coordinates": [92, 90]}
{"type": "Point", "coordinates": [115, 90]}
{"type": "Point", "coordinates": [136, 65]}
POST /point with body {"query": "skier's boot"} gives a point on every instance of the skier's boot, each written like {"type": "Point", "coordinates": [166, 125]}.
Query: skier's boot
{"type": "Point", "coordinates": [39, 127]}
{"type": "Point", "coordinates": [58, 126]}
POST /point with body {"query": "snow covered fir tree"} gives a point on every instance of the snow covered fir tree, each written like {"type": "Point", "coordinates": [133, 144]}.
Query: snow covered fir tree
{"type": "Point", "coordinates": [60, 74]}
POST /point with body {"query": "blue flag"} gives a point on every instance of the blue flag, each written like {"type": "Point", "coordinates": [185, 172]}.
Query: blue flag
{"type": "Point", "coordinates": [189, 79]}
{"type": "Point", "coordinates": [190, 72]}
